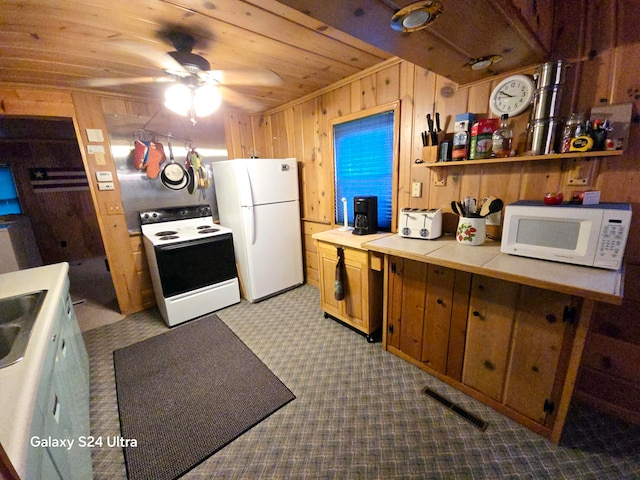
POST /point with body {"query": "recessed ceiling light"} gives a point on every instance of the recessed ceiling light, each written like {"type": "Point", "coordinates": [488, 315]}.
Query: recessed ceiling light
{"type": "Point", "coordinates": [416, 16]}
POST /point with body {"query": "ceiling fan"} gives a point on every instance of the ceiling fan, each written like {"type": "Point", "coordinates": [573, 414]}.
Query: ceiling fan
{"type": "Point", "coordinates": [184, 68]}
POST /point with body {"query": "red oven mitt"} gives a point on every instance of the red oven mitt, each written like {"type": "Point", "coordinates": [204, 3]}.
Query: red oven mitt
{"type": "Point", "coordinates": [140, 154]}
{"type": "Point", "coordinates": [155, 159]}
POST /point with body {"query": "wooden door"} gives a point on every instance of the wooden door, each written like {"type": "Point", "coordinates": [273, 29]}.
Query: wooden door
{"type": "Point", "coordinates": [491, 315]}
{"type": "Point", "coordinates": [536, 348]}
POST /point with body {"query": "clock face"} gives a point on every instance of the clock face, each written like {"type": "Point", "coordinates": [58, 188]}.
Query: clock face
{"type": "Point", "coordinates": [512, 95]}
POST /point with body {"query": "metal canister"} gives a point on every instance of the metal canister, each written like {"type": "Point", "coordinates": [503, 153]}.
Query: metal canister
{"type": "Point", "coordinates": [542, 135]}
{"type": "Point", "coordinates": [550, 73]}
{"type": "Point", "coordinates": [546, 101]}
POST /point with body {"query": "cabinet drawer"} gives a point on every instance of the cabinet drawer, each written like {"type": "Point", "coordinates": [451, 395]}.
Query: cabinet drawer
{"type": "Point", "coordinates": [615, 357]}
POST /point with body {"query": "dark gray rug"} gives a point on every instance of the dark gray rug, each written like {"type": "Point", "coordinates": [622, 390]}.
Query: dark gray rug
{"type": "Point", "coordinates": [185, 394]}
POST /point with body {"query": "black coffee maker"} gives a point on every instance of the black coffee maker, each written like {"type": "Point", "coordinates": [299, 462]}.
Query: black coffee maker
{"type": "Point", "coordinates": [365, 211]}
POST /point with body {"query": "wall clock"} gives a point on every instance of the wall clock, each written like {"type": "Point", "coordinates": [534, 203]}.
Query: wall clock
{"type": "Point", "coordinates": [512, 96]}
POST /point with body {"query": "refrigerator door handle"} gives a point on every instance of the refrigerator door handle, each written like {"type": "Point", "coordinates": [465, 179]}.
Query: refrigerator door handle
{"type": "Point", "coordinates": [249, 219]}
{"type": "Point", "coordinates": [245, 187]}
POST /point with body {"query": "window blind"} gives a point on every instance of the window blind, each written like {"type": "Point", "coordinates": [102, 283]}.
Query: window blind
{"type": "Point", "coordinates": [363, 152]}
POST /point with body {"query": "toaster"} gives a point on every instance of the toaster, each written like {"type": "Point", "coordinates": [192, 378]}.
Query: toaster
{"type": "Point", "coordinates": [420, 223]}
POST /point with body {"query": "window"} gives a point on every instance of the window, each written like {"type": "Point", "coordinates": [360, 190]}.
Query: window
{"type": "Point", "coordinates": [8, 194]}
{"type": "Point", "coordinates": [365, 160]}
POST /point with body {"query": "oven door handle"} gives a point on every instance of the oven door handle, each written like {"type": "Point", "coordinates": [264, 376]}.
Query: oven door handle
{"type": "Point", "coordinates": [192, 243]}
{"type": "Point", "coordinates": [249, 220]}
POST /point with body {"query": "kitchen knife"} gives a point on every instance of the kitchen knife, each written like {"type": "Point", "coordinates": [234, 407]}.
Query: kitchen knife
{"type": "Point", "coordinates": [432, 131]}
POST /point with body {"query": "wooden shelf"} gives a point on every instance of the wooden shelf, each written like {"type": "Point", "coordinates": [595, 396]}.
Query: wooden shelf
{"type": "Point", "coordinates": [524, 158]}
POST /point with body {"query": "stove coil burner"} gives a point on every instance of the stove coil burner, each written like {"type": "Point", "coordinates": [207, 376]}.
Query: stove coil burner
{"type": "Point", "coordinates": [166, 233]}
{"type": "Point", "coordinates": [203, 227]}
{"type": "Point", "coordinates": [208, 230]}
{"type": "Point", "coordinates": [169, 237]}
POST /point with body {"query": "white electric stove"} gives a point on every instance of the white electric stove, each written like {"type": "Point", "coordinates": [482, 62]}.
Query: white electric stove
{"type": "Point", "coordinates": [191, 261]}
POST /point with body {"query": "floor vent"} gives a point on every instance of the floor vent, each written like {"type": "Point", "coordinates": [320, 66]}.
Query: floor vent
{"type": "Point", "coordinates": [469, 417]}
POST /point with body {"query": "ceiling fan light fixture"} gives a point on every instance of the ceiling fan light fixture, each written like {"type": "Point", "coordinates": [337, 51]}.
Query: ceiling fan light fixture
{"type": "Point", "coordinates": [416, 16]}
{"type": "Point", "coordinates": [178, 99]}
{"type": "Point", "coordinates": [206, 100]}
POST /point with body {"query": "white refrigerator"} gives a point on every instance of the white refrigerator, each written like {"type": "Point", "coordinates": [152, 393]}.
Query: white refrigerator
{"type": "Point", "coordinates": [258, 200]}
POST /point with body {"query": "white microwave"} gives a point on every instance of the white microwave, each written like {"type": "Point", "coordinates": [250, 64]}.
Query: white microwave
{"type": "Point", "coordinates": [592, 235]}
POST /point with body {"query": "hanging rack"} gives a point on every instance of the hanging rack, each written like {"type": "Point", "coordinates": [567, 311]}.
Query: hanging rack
{"type": "Point", "coordinates": [146, 131]}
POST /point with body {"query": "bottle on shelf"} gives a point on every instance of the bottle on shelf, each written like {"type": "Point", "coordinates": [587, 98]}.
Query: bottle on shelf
{"type": "Point", "coordinates": [460, 149]}
{"type": "Point", "coordinates": [502, 138]}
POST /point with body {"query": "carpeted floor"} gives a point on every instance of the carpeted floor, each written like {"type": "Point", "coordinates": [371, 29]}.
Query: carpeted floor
{"type": "Point", "coordinates": [360, 412]}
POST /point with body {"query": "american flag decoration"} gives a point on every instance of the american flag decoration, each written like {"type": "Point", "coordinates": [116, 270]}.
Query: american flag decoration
{"type": "Point", "coordinates": [65, 179]}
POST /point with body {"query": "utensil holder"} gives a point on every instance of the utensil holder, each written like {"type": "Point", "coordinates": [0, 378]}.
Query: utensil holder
{"type": "Point", "coordinates": [471, 231]}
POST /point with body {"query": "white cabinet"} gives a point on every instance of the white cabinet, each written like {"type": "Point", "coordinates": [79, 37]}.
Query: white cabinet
{"type": "Point", "coordinates": [62, 406]}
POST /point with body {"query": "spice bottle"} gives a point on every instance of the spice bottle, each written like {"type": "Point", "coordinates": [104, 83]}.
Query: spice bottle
{"type": "Point", "coordinates": [572, 128]}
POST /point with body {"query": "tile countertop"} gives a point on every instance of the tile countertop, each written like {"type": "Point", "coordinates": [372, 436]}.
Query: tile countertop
{"type": "Point", "coordinates": [586, 282]}
{"type": "Point", "coordinates": [19, 382]}
{"type": "Point", "coordinates": [346, 238]}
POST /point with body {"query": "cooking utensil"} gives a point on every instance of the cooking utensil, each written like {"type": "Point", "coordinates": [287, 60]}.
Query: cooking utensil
{"type": "Point", "coordinates": [173, 175]}
{"type": "Point", "coordinates": [492, 205]}
{"type": "Point", "coordinates": [457, 208]}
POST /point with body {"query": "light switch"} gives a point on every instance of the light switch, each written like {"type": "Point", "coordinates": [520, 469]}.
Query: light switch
{"type": "Point", "coordinates": [106, 186]}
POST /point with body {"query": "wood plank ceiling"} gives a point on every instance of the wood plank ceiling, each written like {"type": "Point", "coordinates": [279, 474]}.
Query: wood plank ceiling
{"type": "Point", "coordinates": [60, 43]}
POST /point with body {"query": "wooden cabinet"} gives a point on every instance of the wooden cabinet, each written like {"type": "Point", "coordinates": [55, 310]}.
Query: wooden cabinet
{"type": "Point", "coordinates": [427, 323]}
{"type": "Point", "coordinates": [610, 371]}
{"type": "Point", "coordinates": [502, 342]}
{"type": "Point", "coordinates": [361, 307]}
{"type": "Point", "coordinates": [516, 345]}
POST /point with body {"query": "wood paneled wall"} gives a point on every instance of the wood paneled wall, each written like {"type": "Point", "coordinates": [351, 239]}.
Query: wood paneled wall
{"type": "Point", "coordinates": [64, 223]}
{"type": "Point", "coordinates": [602, 38]}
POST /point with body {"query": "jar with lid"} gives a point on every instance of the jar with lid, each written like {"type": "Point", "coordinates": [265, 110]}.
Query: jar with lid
{"type": "Point", "coordinates": [574, 127]}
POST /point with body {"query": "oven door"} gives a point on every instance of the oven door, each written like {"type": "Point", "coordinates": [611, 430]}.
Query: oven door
{"type": "Point", "coordinates": [187, 266]}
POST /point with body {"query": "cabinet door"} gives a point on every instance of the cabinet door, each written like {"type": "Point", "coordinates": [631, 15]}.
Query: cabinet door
{"type": "Point", "coordinates": [437, 318]}
{"type": "Point", "coordinates": [538, 336]}
{"type": "Point", "coordinates": [414, 277]}
{"type": "Point", "coordinates": [354, 309]}
{"type": "Point", "coordinates": [356, 306]}
{"type": "Point", "coordinates": [328, 261]}
{"type": "Point", "coordinates": [491, 315]}
{"type": "Point", "coordinates": [395, 269]}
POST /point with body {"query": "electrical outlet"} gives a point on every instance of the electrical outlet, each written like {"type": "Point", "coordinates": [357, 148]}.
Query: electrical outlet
{"type": "Point", "coordinates": [416, 189]}
{"type": "Point", "coordinates": [113, 208]}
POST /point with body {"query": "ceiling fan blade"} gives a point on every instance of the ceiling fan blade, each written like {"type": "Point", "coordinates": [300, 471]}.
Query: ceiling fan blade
{"type": "Point", "coordinates": [255, 77]}
{"type": "Point", "coordinates": [114, 82]}
{"type": "Point", "coordinates": [157, 57]}
{"type": "Point", "coordinates": [240, 101]}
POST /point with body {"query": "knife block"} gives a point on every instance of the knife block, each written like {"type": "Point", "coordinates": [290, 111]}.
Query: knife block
{"type": "Point", "coordinates": [430, 154]}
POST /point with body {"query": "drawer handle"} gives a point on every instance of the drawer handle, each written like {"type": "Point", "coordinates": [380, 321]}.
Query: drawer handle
{"type": "Point", "coordinates": [439, 301]}
{"type": "Point", "coordinates": [605, 362]}
{"type": "Point", "coordinates": [476, 313]}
